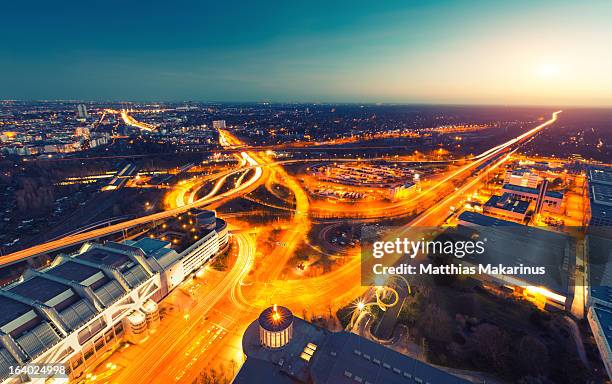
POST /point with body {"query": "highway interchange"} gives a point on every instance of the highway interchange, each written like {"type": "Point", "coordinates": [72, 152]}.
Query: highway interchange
{"type": "Point", "coordinates": [207, 330]}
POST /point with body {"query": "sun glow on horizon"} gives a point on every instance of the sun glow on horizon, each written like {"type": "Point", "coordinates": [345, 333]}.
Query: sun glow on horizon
{"type": "Point", "coordinates": [549, 70]}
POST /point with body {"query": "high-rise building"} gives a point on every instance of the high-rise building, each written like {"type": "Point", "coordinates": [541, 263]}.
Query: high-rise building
{"type": "Point", "coordinates": [82, 112]}
{"type": "Point", "coordinates": [219, 124]}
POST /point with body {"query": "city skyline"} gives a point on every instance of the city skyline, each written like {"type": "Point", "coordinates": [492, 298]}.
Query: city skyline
{"type": "Point", "coordinates": [431, 53]}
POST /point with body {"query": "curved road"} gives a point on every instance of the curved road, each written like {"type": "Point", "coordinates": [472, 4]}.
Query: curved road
{"type": "Point", "coordinates": [89, 235]}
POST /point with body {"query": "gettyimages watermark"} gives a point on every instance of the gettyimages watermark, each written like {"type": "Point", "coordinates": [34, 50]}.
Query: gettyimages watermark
{"type": "Point", "coordinates": [514, 255]}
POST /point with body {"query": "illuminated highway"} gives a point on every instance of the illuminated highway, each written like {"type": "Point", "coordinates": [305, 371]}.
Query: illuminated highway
{"type": "Point", "coordinates": [100, 232]}
{"type": "Point", "coordinates": [209, 329]}
{"type": "Point", "coordinates": [300, 221]}
{"type": "Point", "coordinates": [129, 120]}
{"type": "Point", "coordinates": [254, 161]}
{"type": "Point", "coordinates": [187, 333]}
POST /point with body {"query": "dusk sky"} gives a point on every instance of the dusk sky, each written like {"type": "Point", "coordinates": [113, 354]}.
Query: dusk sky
{"type": "Point", "coordinates": [491, 52]}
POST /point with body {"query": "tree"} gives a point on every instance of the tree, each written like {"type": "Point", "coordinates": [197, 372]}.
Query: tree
{"type": "Point", "coordinates": [493, 345]}
{"type": "Point", "coordinates": [434, 323]}
{"type": "Point", "coordinates": [532, 356]}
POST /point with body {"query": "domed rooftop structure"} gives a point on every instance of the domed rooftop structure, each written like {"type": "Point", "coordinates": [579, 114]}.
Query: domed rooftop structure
{"type": "Point", "coordinates": [275, 327]}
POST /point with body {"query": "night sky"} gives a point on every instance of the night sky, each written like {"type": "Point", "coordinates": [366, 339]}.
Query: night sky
{"type": "Point", "coordinates": [491, 52]}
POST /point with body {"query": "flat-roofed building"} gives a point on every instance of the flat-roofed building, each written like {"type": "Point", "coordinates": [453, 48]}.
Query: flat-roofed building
{"type": "Point", "coordinates": [507, 207]}
{"type": "Point", "coordinates": [599, 213]}
{"type": "Point", "coordinates": [514, 245]}
{"type": "Point", "coordinates": [599, 245]}
{"type": "Point", "coordinates": [600, 320]}
{"type": "Point", "coordinates": [599, 314]}
{"type": "Point", "coordinates": [552, 201]}
{"type": "Point", "coordinates": [477, 220]}
{"type": "Point", "coordinates": [522, 177]}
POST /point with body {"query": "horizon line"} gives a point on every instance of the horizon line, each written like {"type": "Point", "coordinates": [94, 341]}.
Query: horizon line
{"type": "Point", "coordinates": [369, 103]}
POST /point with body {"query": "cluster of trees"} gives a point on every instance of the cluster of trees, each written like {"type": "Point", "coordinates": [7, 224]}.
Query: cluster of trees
{"type": "Point", "coordinates": [219, 375]}
{"type": "Point", "coordinates": [35, 194]}
{"type": "Point", "coordinates": [545, 354]}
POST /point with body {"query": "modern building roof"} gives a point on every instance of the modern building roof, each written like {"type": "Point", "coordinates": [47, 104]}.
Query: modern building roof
{"type": "Point", "coordinates": [123, 248]}
{"type": "Point", "coordinates": [348, 358]}
{"type": "Point", "coordinates": [602, 293]}
{"type": "Point", "coordinates": [520, 171]}
{"type": "Point", "coordinates": [529, 247]}
{"type": "Point", "coordinates": [40, 289]}
{"type": "Point", "coordinates": [600, 215]}
{"type": "Point", "coordinates": [604, 315]}
{"type": "Point", "coordinates": [275, 318]}
{"type": "Point", "coordinates": [531, 191]}
{"type": "Point", "coordinates": [600, 268]}
{"type": "Point", "coordinates": [479, 219]}
{"type": "Point", "coordinates": [262, 372]}
{"type": "Point", "coordinates": [149, 245]}
{"type": "Point", "coordinates": [11, 310]}
{"type": "Point", "coordinates": [157, 251]}
{"type": "Point", "coordinates": [600, 175]}
{"type": "Point", "coordinates": [47, 306]}
{"type": "Point", "coordinates": [220, 225]}
{"type": "Point", "coordinates": [73, 271]}
{"type": "Point", "coordinates": [317, 356]}
{"type": "Point", "coordinates": [26, 321]}
{"type": "Point", "coordinates": [104, 257]}
{"type": "Point", "coordinates": [205, 214]}
{"type": "Point", "coordinates": [507, 203]}
{"type": "Point", "coordinates": [600, 195]}
{"type": "Point", "coordinates": [6, 362]}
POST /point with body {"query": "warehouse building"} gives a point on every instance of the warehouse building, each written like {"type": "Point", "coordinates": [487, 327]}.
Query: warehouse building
{"type": "Point", "coordinates": [599, 213]}
{"type": "Point", "coordinates": [507, 207]}
{"type": "Point", "coordinates": [515, 245]}
{"type": "Point", "coordinates": [551, 201]}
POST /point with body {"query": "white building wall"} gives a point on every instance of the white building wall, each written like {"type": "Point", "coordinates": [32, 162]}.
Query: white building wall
{"type": "Point", "coordinates": [70, 347]}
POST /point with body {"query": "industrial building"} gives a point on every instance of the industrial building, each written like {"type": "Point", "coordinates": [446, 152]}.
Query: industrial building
{"type": "Point", "coordinates": [600, 195]}
{"type": "Point", "coordinates": [83, 305]}
{"type": "Point", "coordinates": [599, 314]}
{"type": "Point", "coordinates": [522, 177]}
{"type": "Point", "coordinates": [599, 251]}
{"type": "Point", "coordinates": [551, 201]}
{"type": "Point", "coordinates": [314, 355]}
{"type": "Point", "coordinates": [511, 244]}
{"type": "Point", "coordinates": [507, 207]}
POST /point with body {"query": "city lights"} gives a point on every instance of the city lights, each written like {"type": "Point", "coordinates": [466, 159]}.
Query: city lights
{"type": "Point", "coordinates": [272, 193]}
